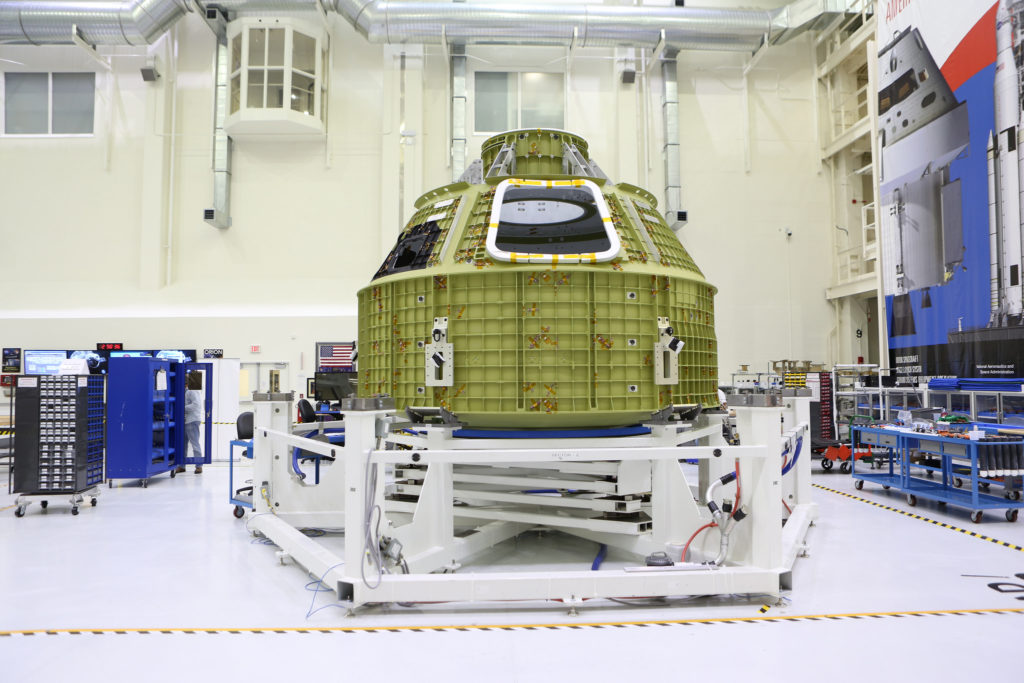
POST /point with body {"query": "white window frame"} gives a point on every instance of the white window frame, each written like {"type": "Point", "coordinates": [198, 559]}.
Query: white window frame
{"type": "Point", "coordinates": [518, 123]}
{"type": "Point", "coordinates": [614, 246]}
{"type": "Point", "coordinates": [49, 106]}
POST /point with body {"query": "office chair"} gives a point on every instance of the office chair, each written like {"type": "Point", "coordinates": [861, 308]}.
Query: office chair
{"type": "Point", "coordinates": [243, 431]}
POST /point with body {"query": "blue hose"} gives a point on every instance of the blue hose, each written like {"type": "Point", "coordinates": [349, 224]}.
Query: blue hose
{"type": "Point", "coordinates": [602, 552]}
{"type": "Point", "coordinates": [796, 456]}
{"type": "Point", "coordinates": [335, 440]}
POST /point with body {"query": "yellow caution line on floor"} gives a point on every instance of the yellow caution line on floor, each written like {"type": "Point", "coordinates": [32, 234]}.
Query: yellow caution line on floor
{"type": "Point", "coordinates": [968, 532]}
{"type": "Point", "coordinates": [508, 627]}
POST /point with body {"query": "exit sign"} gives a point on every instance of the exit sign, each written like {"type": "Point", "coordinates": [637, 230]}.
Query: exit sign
{"type": "Point", "coordinates": [255, 348]}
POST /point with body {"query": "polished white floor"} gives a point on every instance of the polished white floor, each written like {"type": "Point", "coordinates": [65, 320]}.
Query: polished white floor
{"type": "Point", "coordinates": [172, 557]}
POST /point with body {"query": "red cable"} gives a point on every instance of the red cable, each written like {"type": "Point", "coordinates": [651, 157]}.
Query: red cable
{"type": "Point", "coordinates": [682, 558]}
{"type": "Point", "coordinates": [788, 509]}
{"type": "Point", "coordinates": [737, 506]}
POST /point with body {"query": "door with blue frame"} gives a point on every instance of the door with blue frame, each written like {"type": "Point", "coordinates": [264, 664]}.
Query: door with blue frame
{"type": "Point", "coordinates": [206, 432]}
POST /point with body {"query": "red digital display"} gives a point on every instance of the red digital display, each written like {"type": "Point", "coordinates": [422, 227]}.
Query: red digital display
{"type": "Point", "coordinates": [110, 346]}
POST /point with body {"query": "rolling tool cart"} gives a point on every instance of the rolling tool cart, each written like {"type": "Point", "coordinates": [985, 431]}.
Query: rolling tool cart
{"type": "Point", "coordinates": [58, 448]}
{"type": "Point", "coordinates": [975, 460]}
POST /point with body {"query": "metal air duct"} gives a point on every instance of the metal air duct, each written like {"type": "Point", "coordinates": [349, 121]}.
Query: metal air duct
{"type": "Point", "coordinates": [132, 22]}
{"type": "Point", "coordinates": [137, 22]}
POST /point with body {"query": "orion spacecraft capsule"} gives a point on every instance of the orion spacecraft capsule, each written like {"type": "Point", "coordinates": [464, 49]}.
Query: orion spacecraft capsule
{"type": "Point", "coordinates": [537, 293]}
{"type": "Point", "coordinates": [1006, 169]}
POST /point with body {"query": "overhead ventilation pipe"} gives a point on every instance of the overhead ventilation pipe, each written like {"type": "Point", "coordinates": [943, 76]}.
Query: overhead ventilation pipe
{"type": "Point", "coordinates": [139, 22]}
{"type": "Point", "coordinates": [219, 216]}
{"type": "Point", "coordinates": [670, 120]}
{"type": "Point", "coordinates": [132, 22]}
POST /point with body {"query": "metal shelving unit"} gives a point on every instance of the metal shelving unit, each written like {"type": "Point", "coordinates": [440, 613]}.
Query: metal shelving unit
{"type": "Point", "coordinates": [59, 441]}
{"type": "Point", "coordinates": [1001, 407]}
{"type": "Point", "coordinates": [853, 398]}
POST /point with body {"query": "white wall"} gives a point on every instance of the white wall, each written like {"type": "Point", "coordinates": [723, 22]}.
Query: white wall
{"type": "Point", "coordinates": [770, 303]}
{"type": "Point", "coordinates": [85, 236]}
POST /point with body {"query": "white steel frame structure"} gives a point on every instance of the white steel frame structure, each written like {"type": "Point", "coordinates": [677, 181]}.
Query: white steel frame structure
{"type": "Point", "coordinates": [447, 499]}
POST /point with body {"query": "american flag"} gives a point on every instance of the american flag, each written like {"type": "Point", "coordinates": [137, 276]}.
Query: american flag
{"type": "Point", "coordinates": [335, 356]}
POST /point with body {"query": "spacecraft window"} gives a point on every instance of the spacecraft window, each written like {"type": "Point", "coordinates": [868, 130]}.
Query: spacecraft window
{"type": "Point", "coordinates": [896, 92]}
{"type": "Point", "coordinates": [412, 250]}
{"type": "Point", "coordinates": [536, 220]}
{"type": "Point", "coordinates": [544, 220]}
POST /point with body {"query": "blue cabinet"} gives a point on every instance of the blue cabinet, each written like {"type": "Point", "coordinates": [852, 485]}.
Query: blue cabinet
{"type": "Point", "coordinates": [144, 430]}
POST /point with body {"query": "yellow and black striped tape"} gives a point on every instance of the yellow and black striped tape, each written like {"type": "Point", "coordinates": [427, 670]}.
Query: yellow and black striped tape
{"type": "Point", "coordinates": [6, 430]}
{"type": "Point", "coordinates": [968, 532]}
{"type": "Point", "coordinates": [507, 627]}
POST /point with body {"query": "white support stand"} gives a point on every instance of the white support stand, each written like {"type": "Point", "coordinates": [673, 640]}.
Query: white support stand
{"type": "Point", "coordinates": [451, 498]}
{"type": "Point", "coordinates": [795, 486]}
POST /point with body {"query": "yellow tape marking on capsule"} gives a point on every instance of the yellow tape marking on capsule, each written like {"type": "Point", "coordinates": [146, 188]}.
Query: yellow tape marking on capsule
{"type": "Point", "coordinates": [607, 219]}
{"type": "Point", "coordinates": [554, 259]}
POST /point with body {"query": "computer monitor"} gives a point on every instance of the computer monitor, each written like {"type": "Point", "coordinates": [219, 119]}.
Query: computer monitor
{"type": "Point", "coordinates": [334, 386]}
{"type": "Point", "coordinates": [41, 362]}
{"type": "Point", "coordinates": [97, 360]}
{"type": "Point", "coordinates": [131, 354]}
{"type": "Point", "coordinates": [176, 355]}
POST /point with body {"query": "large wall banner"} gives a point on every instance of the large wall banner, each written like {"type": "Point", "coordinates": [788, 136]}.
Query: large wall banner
{"type": "Point", "coordinates": [951, 203]}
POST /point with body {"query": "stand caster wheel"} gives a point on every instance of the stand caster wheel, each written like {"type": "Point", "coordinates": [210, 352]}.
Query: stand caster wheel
{"type": "Point", "coordinates": [911, 499]}
{"type": "Point", "coordinates": [885, 487]}
{"type": "Point", "coordinates": [976, 516]}
{"type": "Point", "coordinates": [239, 512]}
{"type": "Point", "coordinates": [110, 483]}
{"type": "Point", "coordinates": [44, 503]}
{"type": "Point", "coordinates": [93, 502]}
{"type": "Point", "coordinates": [1011, 515]}
{"type": "Point", "coordinates": [1013, 495]}
{"type": "Point", "coordinates": [859, 484]}
{"type": "Point", "coordinates": [145, 483]}
{"type": "Point", "coordinates": [74, 510]}
{"type": "Point", "coordinates": [19, 511]}
{"type": "Point", "coordinates": [826, 464]}
{"type": "Point", "coordinates": [845, 467]}
{"type": "Point", "coordinates": [985, 486]}
{"type": "Point", "coordinates": [173, 474]}
{"type": "Point", "coordinates": [958, 483]}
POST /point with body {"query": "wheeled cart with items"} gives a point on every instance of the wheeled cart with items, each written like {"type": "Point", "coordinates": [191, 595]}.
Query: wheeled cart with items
{"type": "Point", "coordinates": [59, 444]}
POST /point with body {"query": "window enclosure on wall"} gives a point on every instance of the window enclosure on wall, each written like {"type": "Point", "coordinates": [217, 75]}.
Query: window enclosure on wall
{"type": "Point", "coordinates": [278, 83]}
{"type": "Point", "coordinates": [49, 103]}
{"type": "Point", "coordinates": [509, 100]}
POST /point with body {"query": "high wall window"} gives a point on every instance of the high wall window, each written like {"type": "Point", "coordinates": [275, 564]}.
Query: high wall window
{"type": "Point", "coordinates": [507, 100]}
{"type": "Point", "coordinates": [49, 103]}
